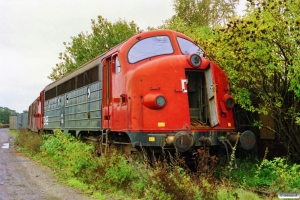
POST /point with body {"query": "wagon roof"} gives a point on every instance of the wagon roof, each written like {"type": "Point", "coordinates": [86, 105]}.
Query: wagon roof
{"type": "Point", "coordinates": [90, 64]}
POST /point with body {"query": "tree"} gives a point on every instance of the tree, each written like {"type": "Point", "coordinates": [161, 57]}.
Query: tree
{"type": "Point", "coordinates": [4, 114]}
{"type": "Point", "coordinates": [196, 18]}
{"type": "Point", "coordinates": [261, 54]}
{"type": "Point", "coordinates": [203, 12]}
{"type": "Point", "coordinates": [84, 47]}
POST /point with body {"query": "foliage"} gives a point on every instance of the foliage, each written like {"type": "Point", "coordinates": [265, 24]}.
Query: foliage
{"type": "Point", "coordinates": [85, 46]}
{"type": "Point", "coordinates": [171, 178]}
{"type": "Point", "coordinates": [166, 182]}
{"type": "Point", "coordinates": [73, 157]}
{"type": "Point", "coordinates": [202, 13]}
{"type": "Point", "coordinates": [4, 114]}
{"type": "Point", "coordinates": [113, 170]}
{"type": "Point", "coordinates": [15, 133]}
{"type": "Point", "coordinates": [29, 141]}
{"type": "Point", "coordinates": [260, 54]}
{"type": "Point", "coordinates": [78, 184]}
{"type": "Point", "coordinates": [75, 163]}
{"type": "Point", "coordinates": [269, 176]}
{"type": "Point", "coordinates": [283, 177]}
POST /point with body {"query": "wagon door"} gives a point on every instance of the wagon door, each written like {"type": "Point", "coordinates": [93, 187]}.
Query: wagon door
{"type": "Point", "coordinates": [211, 93]}
{"type": "Point", "coordinates": [61, 104]}
{"type": "Point", "coordinates": [93, 97]}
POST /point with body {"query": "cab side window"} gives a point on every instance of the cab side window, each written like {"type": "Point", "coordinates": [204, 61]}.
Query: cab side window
{"type": "Point", "coordinates": [117, 65]}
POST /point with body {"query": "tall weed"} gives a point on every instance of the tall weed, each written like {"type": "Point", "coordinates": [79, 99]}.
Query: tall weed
{"type": "Point", "coordinates": [29, 141]}
{"type": "Point", "coordinates": [167, 182]}
{"type": "Point", "coordinates": [171, 179]}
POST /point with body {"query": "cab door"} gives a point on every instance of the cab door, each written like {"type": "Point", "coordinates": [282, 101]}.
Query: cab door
{"type": "Point", "coordinates": [106, 93]}
{"type": "Point", "coordinates": [211, 94]}
{"type": "Point", "coordinates": [118, 95]}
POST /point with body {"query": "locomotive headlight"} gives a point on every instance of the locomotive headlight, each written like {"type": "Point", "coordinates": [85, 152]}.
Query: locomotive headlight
{"type": "Point", "coordinates": [160, 101]}
{"type": "Point", "coordinates": [195, 60]}
{"type": "Point", "coordinates": [229, 101]}
{"type": "Point", "coordinates": [154, 101]}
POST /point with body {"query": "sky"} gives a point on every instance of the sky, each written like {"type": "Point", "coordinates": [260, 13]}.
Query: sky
{"type": "Point", "coordinates": [32, 33]}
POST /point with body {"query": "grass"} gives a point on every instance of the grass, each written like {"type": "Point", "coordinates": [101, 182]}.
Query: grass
{"type": "Point", "coordinates": [114, 176]}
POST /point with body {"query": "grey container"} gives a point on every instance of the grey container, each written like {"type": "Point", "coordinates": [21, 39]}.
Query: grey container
{"type": "Point", "coordinates": [13, 122]}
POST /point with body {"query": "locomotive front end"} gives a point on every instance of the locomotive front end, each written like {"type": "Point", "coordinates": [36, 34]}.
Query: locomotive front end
{"type": "Point", "coordinates": [177, 98]}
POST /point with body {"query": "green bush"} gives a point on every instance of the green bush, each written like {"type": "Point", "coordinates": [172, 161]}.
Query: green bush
{"type": "Point", "coordinates": [75, 163]}
{"type": "Point", "coordinates": [115, 170]}
{"type": "Point", "coordinates": [70, 155]}
{"type": "Point", "coordinates": [283, 177]}
{"type": "Point", "coordinates": [271, 176]}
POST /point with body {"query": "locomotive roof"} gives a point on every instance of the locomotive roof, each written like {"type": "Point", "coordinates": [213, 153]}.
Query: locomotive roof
{"type": "Point", "coordinates": [96, 61]}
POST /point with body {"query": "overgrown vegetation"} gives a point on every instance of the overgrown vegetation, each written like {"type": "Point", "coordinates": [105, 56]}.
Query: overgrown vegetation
{"type": "Point", "coordinates": [115, 176]}
{"type": "Point", "coordinates": [268, 176]}
{"type": "Point", "coordinates": [30, 142]}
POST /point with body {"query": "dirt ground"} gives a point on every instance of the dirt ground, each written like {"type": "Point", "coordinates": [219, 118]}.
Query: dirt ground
{"type": "Point", "coordinates": [22, 179]}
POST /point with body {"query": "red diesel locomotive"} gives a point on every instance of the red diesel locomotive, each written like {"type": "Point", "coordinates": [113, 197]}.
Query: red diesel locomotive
{"type": "Point", "coordinates": [156, 90]}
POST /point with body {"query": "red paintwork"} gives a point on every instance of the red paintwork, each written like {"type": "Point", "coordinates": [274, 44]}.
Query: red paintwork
{"type": "Point", "coordinates": [35, 114]}
{"type": "Point", "coordinates": [40, 124]}
{"type": "Point", "coordinates": [163, 74]}
{"type": "Point", "coordinates": [31, 112]}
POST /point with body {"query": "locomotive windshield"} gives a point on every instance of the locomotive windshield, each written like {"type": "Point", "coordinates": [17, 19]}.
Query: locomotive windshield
{"type": "Point", "coordinates": [188, 47]}
{"type": "Point", "coordinates": [150, 47]}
